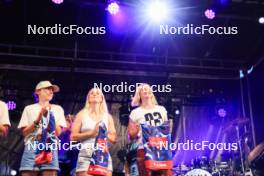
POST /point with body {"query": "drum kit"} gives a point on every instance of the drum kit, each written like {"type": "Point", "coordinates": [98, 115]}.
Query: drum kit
{"type": "Point", "coordinates": [203, 166]}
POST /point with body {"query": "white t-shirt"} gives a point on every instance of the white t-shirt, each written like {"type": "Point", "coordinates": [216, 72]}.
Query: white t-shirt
{"type": "Point", "coordinates": [31, 113]}
{"type": "Point", "coordinates": [4, 117]}
{"type": "Point", "coordinates": [154, 117]}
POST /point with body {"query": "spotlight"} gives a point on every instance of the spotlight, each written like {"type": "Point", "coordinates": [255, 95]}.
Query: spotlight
{"type": "Point", "coordinates": [57, 1]}
{"type": "Point", "coordinates": [157, 11]}
{"type": "Point", "coordinates": [221, 112]}
{"type": "Point", "coordinates": [177, 111]}
{"type": "Point", "coordinates": [261, 20]}
{"type": "Point", "coordinates": [210, 14]}
{"type": "Point", "coordinates": [13, 172]}
{"type": "Point", "coordinates": [113, 8]}
{"type": "Point", "coordinates": [241, 74]}
{"type": "Point", "coordinates": [11, 105]}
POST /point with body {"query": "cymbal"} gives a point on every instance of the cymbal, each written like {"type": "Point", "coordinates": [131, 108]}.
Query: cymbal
{"type": "Point", "coordinates": [240, 121]}
{"type": "Point", "coordinates": [236, 122]}
{"type": "Point", "coordinates": [256, 152]}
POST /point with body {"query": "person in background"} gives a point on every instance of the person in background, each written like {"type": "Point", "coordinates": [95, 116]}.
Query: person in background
{"type": "Point", "coordinates": [67, 158]}
{"type": "Point", "coordinates": [131, 168]}
{"type": "Point", "coordinates": [4, 119]}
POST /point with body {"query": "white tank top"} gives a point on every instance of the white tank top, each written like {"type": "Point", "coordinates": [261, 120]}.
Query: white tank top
{"type": "Point", "coordinates": [89, 124]}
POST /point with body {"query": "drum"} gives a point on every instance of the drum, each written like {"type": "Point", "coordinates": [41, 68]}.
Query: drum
{"type": "Point", "coordinates": [256, 159]}
{"type": "Point", "coordinates": [198, 172]}
{"type": "Point", "coordinates": [221, 169]}
{"type": "Point", "coordinates": [201, 163]}
{"type": "Point", "coordinates": [223, 165]}
{"type": "Point", "coordinates": [181, 169]}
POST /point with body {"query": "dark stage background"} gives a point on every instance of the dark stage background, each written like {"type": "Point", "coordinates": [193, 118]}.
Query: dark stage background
{"type": "Point", "coordinates": [197, 100]}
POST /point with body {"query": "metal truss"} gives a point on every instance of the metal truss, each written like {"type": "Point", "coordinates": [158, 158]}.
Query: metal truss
{"type": "Point", "coordinates": [20, 57]}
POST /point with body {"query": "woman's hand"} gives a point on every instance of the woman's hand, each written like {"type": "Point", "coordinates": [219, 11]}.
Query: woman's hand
{"type": "Point", "coordinates": [76, 134]}
{"type": "Point", "coordinates": [43, 112]}
{"type": "Point", "coordinates": [3, 130]}
{"type": "Point", "coordinates": [95, 131]}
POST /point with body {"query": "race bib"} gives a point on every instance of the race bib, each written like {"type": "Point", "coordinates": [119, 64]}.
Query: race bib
{"type": "Point", "coordinates": [156, 141]}
{"type": "Point", "coordinates": [100, 156]}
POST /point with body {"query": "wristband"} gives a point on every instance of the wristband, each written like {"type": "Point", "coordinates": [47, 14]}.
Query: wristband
{"type": "Point", "coordinates": [36, 125]}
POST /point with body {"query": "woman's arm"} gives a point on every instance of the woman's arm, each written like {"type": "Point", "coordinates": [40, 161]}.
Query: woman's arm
{"type": "Point", "coordinates": [58, 130]}
{"type": "Point", "coordinates": [28, 129]}
{"type": "Point", "coordinates": [170, 121]}
{"type": "Point", "coordinates": [3, 130]}
{"type": "Point", "coordinates": [126, 168]}
{"type": "Point", "coordinates": [111, 130]}
{"type": "Point", "coordinates": [32, 127]}
{"type": "Point", "coordinates": [77, 135]}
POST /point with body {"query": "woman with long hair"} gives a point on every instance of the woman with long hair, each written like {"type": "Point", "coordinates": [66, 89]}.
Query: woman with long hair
{"type": "Point", "coordinates": [86, 126]}
{"type": "Point", "coordinates": [150, 113]}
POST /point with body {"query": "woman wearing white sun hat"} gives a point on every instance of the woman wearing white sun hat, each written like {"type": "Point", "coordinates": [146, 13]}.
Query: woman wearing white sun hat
{"type": "Point", "coordinates": [34, 118]}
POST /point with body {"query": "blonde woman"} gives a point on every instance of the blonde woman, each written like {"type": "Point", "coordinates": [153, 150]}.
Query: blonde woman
{"type": "Point", "coordinates": [85, 129]}
{"type": "Point", "coordinates": [150, 113]}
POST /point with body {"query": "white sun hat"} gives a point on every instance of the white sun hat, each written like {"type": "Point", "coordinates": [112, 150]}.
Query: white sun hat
{"type": "Point", "coordinates": [45, 84]}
